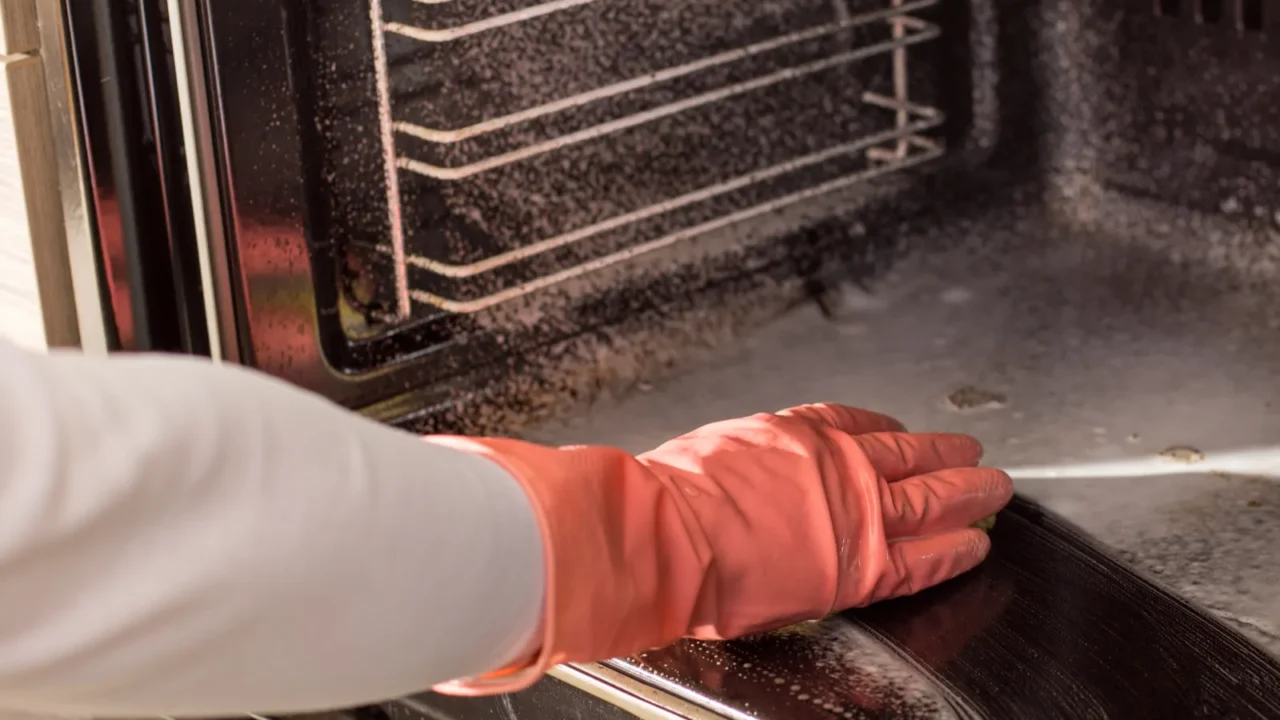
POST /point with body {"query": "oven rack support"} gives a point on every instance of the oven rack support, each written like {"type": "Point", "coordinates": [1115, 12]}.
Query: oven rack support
{"type": "Point", "coordinates": [902, 146]}
{"type": "Point", "coordinates": [386, 134]}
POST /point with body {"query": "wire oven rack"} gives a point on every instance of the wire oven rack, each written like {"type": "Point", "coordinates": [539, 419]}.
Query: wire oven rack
{"type": "Point", "coordinates": [900, 140]}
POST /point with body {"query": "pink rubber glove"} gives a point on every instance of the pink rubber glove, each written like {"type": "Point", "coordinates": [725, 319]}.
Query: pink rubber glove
{"type": "Point", "coordinates": [738, 527]}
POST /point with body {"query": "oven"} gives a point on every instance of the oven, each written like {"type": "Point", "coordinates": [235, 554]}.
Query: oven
{"type": "Point", "coordinates": [484, 215]}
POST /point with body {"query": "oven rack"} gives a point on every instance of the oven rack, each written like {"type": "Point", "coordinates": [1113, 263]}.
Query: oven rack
{"type": "Point", "coordinates": [888, 152]}
{"type": "Point", "coordinates": [457, 32]}
{"type": "Point", "coordinates": [902, 146]}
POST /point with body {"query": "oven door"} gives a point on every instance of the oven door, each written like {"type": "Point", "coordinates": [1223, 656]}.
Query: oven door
{"type": "Point", "coordinates": [404, 205]}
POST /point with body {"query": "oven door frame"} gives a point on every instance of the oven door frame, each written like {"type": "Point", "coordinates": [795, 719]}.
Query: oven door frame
{"type": "Point", "coordinates": [263, 292]}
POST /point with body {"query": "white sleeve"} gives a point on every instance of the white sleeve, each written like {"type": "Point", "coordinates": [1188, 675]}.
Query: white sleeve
{"type": "Point", "coordinates": [182, 538]}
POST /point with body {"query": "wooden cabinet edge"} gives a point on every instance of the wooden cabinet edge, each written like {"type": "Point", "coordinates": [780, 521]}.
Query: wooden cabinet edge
{"type": "Point", "coordinates": [19, 27]}
{"type": "Point", "coordinates": [28, 163]}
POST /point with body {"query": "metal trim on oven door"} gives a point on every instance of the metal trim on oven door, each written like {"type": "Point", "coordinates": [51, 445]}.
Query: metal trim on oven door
{"type": "Point", "coordinates": [644, 701]}
{"type": "Point", "coordinates": [86, 290]}
{"type": "Point", "coordinates": [202, 178]}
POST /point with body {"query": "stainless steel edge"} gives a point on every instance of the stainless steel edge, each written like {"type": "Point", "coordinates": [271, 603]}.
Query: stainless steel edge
{"type": "Point", "coordinates": [643, 701]}
{"type": "Point", "coordinates": [73, 181]}
{"type": "Point", "coordinates": [197, 131]}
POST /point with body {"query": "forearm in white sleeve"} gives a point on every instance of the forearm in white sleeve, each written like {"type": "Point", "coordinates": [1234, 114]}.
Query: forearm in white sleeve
{"type": "Point", "coordinates": [182, 538]}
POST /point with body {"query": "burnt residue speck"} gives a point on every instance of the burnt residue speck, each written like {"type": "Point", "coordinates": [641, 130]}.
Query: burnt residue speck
{"type": "Point", "coordinates": [970, 397]}
{"type": "Point", "coordinates": [1184, 454]}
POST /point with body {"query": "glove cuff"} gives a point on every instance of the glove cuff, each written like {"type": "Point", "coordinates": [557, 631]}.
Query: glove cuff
{"type": "Point", "coordinates": [622, 569]}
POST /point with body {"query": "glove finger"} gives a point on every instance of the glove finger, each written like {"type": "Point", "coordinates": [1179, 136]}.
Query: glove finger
{"type": "Point", "coordinates": [924, 562]}
{"type": "Point", "coordinates": [845, 419]}
{"type": "Point", "coordinates": [944, 500]}
{"type": "Point", "coordinates": [897, 456]}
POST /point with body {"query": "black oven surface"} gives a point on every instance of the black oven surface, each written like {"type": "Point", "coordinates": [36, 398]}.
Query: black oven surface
{"type": "Point", "coordinates": [1033, 632]}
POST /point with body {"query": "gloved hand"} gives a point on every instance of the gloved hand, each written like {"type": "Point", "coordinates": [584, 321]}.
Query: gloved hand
{"type": "Point", "coordinates": [738, 527]}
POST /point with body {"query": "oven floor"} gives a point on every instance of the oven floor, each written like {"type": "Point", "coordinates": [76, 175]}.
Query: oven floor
{"type": "Point", "coordinates": [1102, 348]}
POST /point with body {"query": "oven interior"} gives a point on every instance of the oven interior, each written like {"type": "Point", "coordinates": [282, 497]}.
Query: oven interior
{"type": "Point", "coordinates": [479, 216]}
{"type": "Point", "coordinates": [518, 208]}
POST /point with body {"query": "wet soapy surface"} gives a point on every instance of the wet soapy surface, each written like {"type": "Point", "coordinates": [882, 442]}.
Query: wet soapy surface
{"type": "Point", "coordinates": [832, 669]}
{"type": "Point", "coordinates": [1047, 627]}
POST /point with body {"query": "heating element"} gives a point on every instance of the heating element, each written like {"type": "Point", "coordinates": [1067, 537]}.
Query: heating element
{"type": "Point", "coordinates": [624, 148]}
